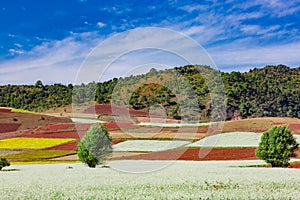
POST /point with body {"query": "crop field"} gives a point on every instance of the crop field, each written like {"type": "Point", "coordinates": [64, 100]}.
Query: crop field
{"type": "Point", "coordinates": [65, 146]}
{"type": "Point", "coordinates": [198, 154]}
{"type": "Point", "coordinates": [148, 145]}
{"type": "Point", "coordinates": [8, 127]}
{"type": "Point", "coordinates": [173, 125]}
{"type": "Point", "coordinates": [108, 109]}
{"type": "Point", "coordinates": [32, 143]}
{"type": "Point", "coordinates": [39, 154]}
{"type": "Point", "coordinates": [180, 180]}
{"type": "Point", "coordinates": [188, 164]}
{"type": "Point", "coordinates": [232, 139]}
{"type": "Point", "coordinates": [29, 120]}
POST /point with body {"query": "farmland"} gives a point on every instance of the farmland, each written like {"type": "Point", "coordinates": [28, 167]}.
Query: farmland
{"type": "Point", "coordinates": [149, 161]}
{"type": "Point", "coordinates": [32, 143]}
{"type": "Point", "coordinates": [180, 180]}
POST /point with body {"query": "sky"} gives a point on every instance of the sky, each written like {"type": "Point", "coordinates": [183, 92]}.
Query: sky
{"type": "Point", "coordinates": [51, 40]}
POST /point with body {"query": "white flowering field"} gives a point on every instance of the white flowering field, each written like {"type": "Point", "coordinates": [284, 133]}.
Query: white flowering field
{"type": "Point", "coordinates": [149, 145]}
{"type": "Point", "coordinates": [181, 180]}
{"type": "Point", "coordinates": [232, 139]}
{"type": "Point", "coordinates": [85, 120]}
{"type": "Point", "coordinates": [173, 125]}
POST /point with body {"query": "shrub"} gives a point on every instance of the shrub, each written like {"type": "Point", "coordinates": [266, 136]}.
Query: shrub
{"type": "Point", "coordinates": [95, 146]}
{"type": "Point", "coordinates": [4, 163]}
{"type": "Point", "coordinates": [277, 146]}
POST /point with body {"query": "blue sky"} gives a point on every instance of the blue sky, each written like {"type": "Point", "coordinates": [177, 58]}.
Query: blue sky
{"type": "Point", "coordinates": [49, 40]}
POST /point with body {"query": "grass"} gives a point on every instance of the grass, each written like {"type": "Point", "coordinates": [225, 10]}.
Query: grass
{"type": "Point", "coordinates": [32, 143]}
{"type": "Point", "coordinates": [39, 155]}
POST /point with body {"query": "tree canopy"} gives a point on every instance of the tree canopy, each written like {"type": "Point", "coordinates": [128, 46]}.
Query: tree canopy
{"type": "Point", "coordinates": [272, 91]}
{"type": "Point", "coordinates": [277, 146]}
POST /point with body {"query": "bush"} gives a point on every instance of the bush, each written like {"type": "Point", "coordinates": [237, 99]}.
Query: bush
{"type": "Point", "coordinates": [4, 163]}
{"type": "Point", "coordinates": [277, 146]}
{"type": "Point", "coordinates": [95, 146]}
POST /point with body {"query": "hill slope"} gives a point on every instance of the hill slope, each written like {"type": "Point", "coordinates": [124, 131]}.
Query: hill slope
{"type": "Point", "coordinates": [272, 91]}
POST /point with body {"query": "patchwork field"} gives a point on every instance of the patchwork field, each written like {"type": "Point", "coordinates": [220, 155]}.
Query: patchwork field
{"type": "Point", "coordinates": [146, 140]}
{"type": "Point", "coordinates": [171, 160]}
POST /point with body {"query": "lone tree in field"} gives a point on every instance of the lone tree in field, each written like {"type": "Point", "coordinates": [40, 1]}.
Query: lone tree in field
{"type": "Point", "coordinates": [4, 163]}
{"type": "Point", "coordinates": [95, 146]}
{"type": "Point", "coordinates": [277, 146]}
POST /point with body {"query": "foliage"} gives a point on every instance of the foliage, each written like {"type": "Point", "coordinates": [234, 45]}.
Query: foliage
{"type": "Point", "coordinates": [269, 91]}
{"type": "Point", "coordinates": [95, 146]}
{"type": "Point", "coordinates": [277, 146]}
{"type": "Point", "coordinates": [4, 163]}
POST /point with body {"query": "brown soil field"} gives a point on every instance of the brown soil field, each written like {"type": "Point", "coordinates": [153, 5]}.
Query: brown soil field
{"type": "Point", "coordinates": [192, 133]}
{"type": "Point", "coordinates": [261, 124]}
{"type": "Point", "coordinates": [31, 121]}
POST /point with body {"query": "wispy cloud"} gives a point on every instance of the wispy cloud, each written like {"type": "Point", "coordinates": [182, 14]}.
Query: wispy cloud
{"type": "Point", "coordinates": [53, 61]}
{"type": "Point", "coordinates": [229, 57]}
{"type": "Point", "coordinates": [235, 33]}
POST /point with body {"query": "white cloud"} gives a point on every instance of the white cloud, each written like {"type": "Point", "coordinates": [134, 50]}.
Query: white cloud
{"type": "Point", "coordinates": [18, 45]}
{"type": "Point", "coordinates": [53, 61]}
{"type": "Point", "coordinates": [190, 8]}
{"type": "Point", "coordinates": [140, 47]}
{"type": "Point", "coordinates": [13, 52]}
{"type": "Point", "coordinates": [234, 55]}
{"type": "Point", "coordinates": [101, 24]}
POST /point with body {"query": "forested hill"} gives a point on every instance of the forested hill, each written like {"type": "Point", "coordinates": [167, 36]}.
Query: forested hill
{"type": "Point", "coordinates": [269, 91]}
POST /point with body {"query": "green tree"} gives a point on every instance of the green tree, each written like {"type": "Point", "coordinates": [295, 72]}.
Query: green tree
{"type": "Point", "coordinates": [95, 146]}
{"type": "Point", "coordinates": [277, 146]}
{"type": "Point", "coordinates": [4, 163]}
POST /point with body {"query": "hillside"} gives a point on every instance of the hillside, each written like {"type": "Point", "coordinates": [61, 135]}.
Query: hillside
{"type": "Point", "coordinates": [272, 91]}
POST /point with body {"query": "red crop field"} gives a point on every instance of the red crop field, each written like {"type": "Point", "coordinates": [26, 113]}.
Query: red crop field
{"type": "Point", "coordinates": [8, 127]}
{"type": "Point", "coordinates": [193, 154]}
{"type": "Point", "coordinates": [5, 110]}
{"type": "Point", "coordinates": [108, 109]}
{"type": "Point", "coordinates": [294, 165]}
{"type": "Point", "coordinates": [116, 142]}
{"type": "Point", "coordinates": [73, 145]}
{"type": "Point", "coordinates": [72, 134]}
{"type": "Point", "coordinates": [56, 127]}
{"type": "Point", "coordinates": [66, 146]}
{"type": "Point", "coordinates": [294, 127]}
{"type": "Point", "coordinates": [62, 128]}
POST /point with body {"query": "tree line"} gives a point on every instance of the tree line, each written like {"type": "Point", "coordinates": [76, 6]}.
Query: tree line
{"type": "Point", "coordinates": [269, 91]}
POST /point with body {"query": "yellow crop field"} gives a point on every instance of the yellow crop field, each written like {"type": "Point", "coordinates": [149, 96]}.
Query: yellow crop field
{"type": "Point", "coordinates": [32, 143]}
{"type": "Point", "coordinates": [14, 110]}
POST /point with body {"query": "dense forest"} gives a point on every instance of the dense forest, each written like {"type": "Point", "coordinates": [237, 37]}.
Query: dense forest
{"type": "Point", "coordinates": [268, 91]}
